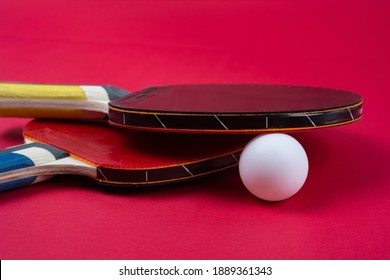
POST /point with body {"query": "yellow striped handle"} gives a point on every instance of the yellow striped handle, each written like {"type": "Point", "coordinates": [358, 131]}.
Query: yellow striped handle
{"type": "Point", "coordinates": [56, 101]}
{"type": "Point", "coordinates": [40, 91]}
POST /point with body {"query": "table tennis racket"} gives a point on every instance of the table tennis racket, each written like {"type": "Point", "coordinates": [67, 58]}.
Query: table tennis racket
{"type": "Point", "coordinates": [213, 108]}
{"type": "Point", "coordinates": [113, 156]}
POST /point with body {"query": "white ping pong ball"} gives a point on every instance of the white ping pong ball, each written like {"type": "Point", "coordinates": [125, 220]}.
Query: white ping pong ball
{"type": "Point", "coordinates": [273, 166]}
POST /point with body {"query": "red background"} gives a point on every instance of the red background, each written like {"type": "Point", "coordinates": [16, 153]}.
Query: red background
{"type": "Point", "coordinates": [343, 210]}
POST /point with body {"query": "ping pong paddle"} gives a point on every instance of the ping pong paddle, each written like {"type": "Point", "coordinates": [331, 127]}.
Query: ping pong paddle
{"type": "Point", "coordinates": [213, 108]}
{"type": "Point", "coordinates": [114, 157]}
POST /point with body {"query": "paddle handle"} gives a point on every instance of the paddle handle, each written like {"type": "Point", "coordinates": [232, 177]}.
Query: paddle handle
{"type": "Point", "coordinates": [41, 91]}
{"type": "Point", "coordinates": [17, 164]}
{"type": "Point", "coordinates": [56, 101]}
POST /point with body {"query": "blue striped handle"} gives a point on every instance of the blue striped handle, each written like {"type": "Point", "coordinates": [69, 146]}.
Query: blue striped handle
{"type": "Point", "coordinates": [20, 157]}
{"type": "Point", "coordinates": [13, 161]}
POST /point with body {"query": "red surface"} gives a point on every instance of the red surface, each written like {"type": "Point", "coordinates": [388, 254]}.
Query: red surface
{"type": "Point", "coordinates": [343, 210]}
{"type": "Point", "coordinates": [235, 99]}
{"type": "Point", "coordinates": [107, 146]}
